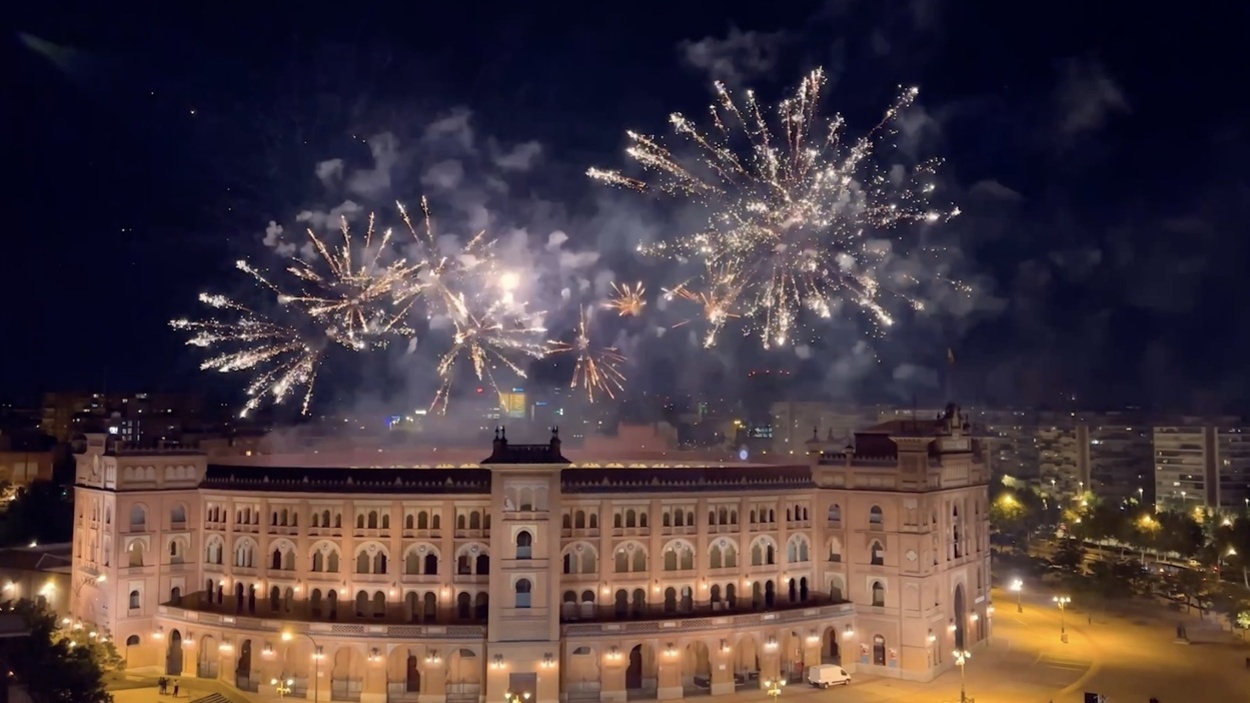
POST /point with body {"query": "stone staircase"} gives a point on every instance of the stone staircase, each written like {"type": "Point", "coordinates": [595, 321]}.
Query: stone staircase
{"type": "Point", "coordinates": [212, 698]}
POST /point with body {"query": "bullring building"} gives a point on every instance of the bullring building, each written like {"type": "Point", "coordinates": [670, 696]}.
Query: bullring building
{"type": "Point", "coordinates": [526, 572]}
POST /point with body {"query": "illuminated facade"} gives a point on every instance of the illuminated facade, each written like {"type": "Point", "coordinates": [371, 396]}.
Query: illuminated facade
{"type": "Point", "coordinates": [529, 573]}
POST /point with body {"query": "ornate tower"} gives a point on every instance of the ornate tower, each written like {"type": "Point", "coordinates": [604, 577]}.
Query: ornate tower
{"type": "Point", "coordinates": [523, 638]}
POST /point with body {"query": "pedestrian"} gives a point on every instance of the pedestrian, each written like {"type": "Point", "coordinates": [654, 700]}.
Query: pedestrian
{"type": "Point", "coordinates": [175, 688]}
{"type": "Point", "coordinates": [162, 683]}
{"type": "Point", "coordinates": [1090, 616]}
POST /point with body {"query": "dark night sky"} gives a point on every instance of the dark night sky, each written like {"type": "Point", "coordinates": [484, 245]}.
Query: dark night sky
{"type": "Point", "coordinates": [1098, 156]}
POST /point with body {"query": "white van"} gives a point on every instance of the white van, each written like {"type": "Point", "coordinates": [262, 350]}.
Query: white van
{"type": "Point", "coordinates": [826, 675]}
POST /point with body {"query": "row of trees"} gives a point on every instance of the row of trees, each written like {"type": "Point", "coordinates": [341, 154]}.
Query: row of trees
{"type": "Point", "coordinates": [1216, 542]}
{"type": "Point", "coordinates": [42, 512]}
{"type": "Point", "coordinates": [1213, 540]}
{"type": "Point", "coordinates": [57, 663]}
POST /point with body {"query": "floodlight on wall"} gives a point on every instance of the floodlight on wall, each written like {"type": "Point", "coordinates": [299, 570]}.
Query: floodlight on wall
{"type": "Point", "coordinates": [548, 662]}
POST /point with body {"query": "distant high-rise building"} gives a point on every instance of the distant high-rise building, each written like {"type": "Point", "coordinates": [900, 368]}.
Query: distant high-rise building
{"type": "Point", "coordinates": [1012, 438]}
{"type": "Point", "coordinates": [1201, 462]}
{"type": "Point", "coordinates": [794, 422]}
{"type": "Point", "coordinates": [1063, 454]}
{"type": "Point", "coordinates": [1121, 452]}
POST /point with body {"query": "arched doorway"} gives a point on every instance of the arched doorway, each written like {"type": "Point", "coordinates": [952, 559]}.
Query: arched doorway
{"type": "Point", "coordinates": [243, 669]}
{"type": "Point", "coordinates": [173, 654]}
{"type": "Point", "coordinates": [770, 593]}
{"type": "Point", "coordinates": [830, 653]}
{"type": "Point", "coordinates": [696, 670]}
{"type": "Point", "coordinates": [746, 664]}
{"type": "Point", "coordinates": [345, 675]}
{"type": "Point", "coordinates": [791, 664]}
{"type": "Point", "coordinates": [641, 678]}
{"type": "Point", "coordinates": [581, 675]}
{"type": "Point", "coordinates": [464, 677]}
{"type": "Point", "coordinates": [403, 676]}
{"type": "Point", "coordinates": [961, 616]}
{"type": "Point", "coordinates": [878, 650]}
{"type": "Point", "coordinates": [206, 664]}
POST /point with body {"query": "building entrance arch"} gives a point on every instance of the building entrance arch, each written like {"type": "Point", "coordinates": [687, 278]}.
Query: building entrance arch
{"type": "Point", "coordinates": [173, 655]}
{"type": "Point", "coordinates": [961, 616]}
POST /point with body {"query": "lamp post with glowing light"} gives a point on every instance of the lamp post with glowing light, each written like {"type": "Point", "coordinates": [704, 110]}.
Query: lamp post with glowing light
{"type": "Point", "coordinates": [282, 687]}
{"type": "Point", "coordinates": [287, 636]}
{"type": "Point", "coordinates": [1062, 602]}
{"type": "Point", "coordinates": [773, 688]}
{"type": "Point", "coordinates": [510, 697]}
{"type": "Point", "coordinates": [1017, 587]}
{"type": "Point", "coordinates": [961, 658]}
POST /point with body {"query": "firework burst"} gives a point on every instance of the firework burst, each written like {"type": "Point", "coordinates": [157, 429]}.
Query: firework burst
{"type": "Point", "coordinates": [627, 300]}
{"type": "Point", "coordinates": [357, 298]}
{"type": "Point", "coordinates": [492, 329]}
{"type": "Point", "coordinates": [282, 361]}
{"type": "Point", "coordinates": [797, 213]}
{"type": "Point", "coordinates": [597, 370]}
{"type": "Point", "coordinates": [486, 342]}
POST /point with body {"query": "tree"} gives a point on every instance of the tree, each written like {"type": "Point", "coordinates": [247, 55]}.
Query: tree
{"type": "Point", "coordinates": [41, 512]}
{"type": "Point", "coordinates": [1070, 555]}
{"type": "Point", "coordinates": [52, 663]}
{"type": "Point", "coordinates": [1194, 587]}
{"type": "Point", "coordinates": [1180, 533]}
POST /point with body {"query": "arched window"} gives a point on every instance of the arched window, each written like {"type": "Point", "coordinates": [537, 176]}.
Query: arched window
{"type": "Point", "coordinates": [878, 554]}
{"type": "Point", "coordinates": [524, 545]}
{"type": "Point", "coordinates": [835, 513]}
{"type": "Point", "coordinates": [523, 588]}
{"type": "Point", "coordinates": [138, 518]}
{"type": "Point", "coordinates": [134, 600]}
{"type": "Point", "coordinates": [878, 593]}
{"type": "Point", "coordinates": [875, 516]}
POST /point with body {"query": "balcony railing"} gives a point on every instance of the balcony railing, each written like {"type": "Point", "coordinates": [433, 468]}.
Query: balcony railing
{"type": "Point", "coordinates": [679, 608]}
{"type": "Point", "coordinates": [731, 620]}
{"type": "Point", "coordinates": [344, 611]}
{"type": "Point", "coordinates": [432, 631]}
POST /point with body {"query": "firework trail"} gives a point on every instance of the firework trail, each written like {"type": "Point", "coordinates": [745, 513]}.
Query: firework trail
{"type": "Point", "coordinates": [796, 212]}
{"type": "Point", "coordinates": [282, 361]}
{"type": "Point", "coordinates": [359, 300]}
{"type": "Point", "coordinates": [597, 370]}
{"type": "Point", "coordinates": [627, 300]}
{"type": "Point", "coordinates": [470, 288]}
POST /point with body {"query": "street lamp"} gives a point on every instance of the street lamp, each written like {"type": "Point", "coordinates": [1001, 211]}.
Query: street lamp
{"type": "Point", "coordinates": [282, 687]}
{"type": "Point", "coordinates": [1017, 587]}
{"type": "Point", "coordinates": [287, 636]}
{"type": "Point", "coordinates": [961, 658]}
{"type": "Point", "coordinates": [510, 697]}
{"type": "Point", "coordinates": [1062, 602]}
{"type": "Point", "coordinates": [774, 687]}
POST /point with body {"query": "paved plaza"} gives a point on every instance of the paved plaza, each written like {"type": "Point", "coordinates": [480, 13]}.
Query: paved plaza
{"type": "Point", "coordinates": [1127, 651]}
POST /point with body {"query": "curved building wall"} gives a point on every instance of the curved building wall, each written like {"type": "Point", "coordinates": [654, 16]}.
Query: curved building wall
{"type": "Point", "coordinates": [568, 582]}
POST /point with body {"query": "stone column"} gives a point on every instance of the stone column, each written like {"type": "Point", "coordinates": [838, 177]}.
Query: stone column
{"type": "Point", "coordinates": [433, 680]}
{"type": "Point", "coordinates": [373, 688]}
{"type": "Point", "coordinates": [668, 677]}
{"type": "Point", "coordinates": [722, 660]}
{"type": "Point", "coordinates": [612, 676]}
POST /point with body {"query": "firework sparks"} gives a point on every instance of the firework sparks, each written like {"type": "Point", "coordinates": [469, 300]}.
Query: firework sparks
{"type": "Point", "coordinates": [598, 370]}
{"type": "Point", "coordinates": [796, 213]}
{"type": "Point", "coordinates": [627, 300]}
{"type": "Point", "coordinates": [359, 299]}
{"type": "Point", "coordinates": [486, 342]}
{"type": "Point", "coordinates": [492, 327]}
{"type": "Point", "coordinates": [283, 362]}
